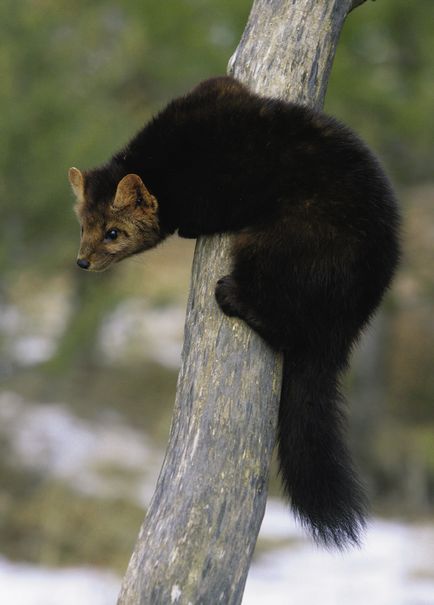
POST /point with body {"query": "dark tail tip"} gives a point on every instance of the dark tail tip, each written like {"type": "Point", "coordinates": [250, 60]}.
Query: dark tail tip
{"type": "Point", "coordinates": [332, 508]}
{"type": "Point", "coordinates": [342, 530]}
{"type": "Point", "coordinates": [316, 468]}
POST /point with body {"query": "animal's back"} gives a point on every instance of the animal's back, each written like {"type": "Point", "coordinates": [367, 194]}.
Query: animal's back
{"type": "Point", "coordinates": [315, 244]}
{"type": "Point", "coordinates": [241, 156]}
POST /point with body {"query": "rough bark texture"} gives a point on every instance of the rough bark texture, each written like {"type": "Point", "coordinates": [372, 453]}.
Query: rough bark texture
{"type": "Point", "coordinates": [198, 537]}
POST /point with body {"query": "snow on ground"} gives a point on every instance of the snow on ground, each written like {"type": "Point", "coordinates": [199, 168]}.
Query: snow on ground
{"type": "Point", "coordinates": [51, 439]}
{"type": "Point", "coordinates": [135, 330]}
{"type": "Point", "coordinates": [395, 566]}
{"type": "Point", "coordinates": [30, 585]}
{"type": "Point", "coordinates": [30, 334]}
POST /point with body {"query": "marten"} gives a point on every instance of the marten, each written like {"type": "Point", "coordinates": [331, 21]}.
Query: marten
{"type": "Point", "coordinates": [315, 243]}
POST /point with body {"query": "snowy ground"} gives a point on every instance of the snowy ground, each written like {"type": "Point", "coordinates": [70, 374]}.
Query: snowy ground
{"type": "Point", "coordinates": [30, 585]}
{"type": "Point", "coordinates": [132, 331]}
{"type": "Point", "coordinates": [51, 439]}
{"type": "Point", "coordinates": [394, 567]}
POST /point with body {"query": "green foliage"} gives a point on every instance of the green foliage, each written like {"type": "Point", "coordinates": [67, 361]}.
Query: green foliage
{"type": "Point", "coordinates": [94, 297]}
{"type": "Point", "coordinates": [79, 78]}
{"type": "Point", "coordinates": [382, 83]}
{"type": "Point", "coordinates": [46, 522]}
{"type": "Point", "coordinates": [140, 394]}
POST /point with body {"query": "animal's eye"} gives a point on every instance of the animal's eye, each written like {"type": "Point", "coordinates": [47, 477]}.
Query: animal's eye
{"type": "Point", "coordinates": [111, 234]}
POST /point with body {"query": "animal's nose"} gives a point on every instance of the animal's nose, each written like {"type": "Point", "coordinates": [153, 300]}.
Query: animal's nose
{"type": "Point", "coordinates": [83, 263]}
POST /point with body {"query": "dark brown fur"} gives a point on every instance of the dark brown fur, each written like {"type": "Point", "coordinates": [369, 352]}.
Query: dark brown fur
{"type": "Point", "coordinates": [133, 212]}
{"type": "Point", "coordinates": [315, 246]}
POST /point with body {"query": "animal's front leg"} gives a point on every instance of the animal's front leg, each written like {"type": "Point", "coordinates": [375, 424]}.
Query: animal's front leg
{"type": "Point", "coordinates": [231, 303]}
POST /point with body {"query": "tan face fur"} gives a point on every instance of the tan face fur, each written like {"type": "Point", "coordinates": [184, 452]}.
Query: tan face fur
{"type": "Point", "coordinates": [113, 231]}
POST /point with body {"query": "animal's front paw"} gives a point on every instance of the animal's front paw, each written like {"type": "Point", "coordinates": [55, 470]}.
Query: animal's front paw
{"type": "Point", "coordinates": [226, 296]}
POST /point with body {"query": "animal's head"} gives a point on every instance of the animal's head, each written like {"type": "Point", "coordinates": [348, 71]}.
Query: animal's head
{"type": "Point", "coordinates": [121, 221]}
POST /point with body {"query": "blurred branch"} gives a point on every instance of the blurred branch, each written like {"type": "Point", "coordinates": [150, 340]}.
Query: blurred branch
{"type": "Point", "coordinates": [197, 540]}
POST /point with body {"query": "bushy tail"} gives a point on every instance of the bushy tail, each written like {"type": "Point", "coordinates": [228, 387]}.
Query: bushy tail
{"type": "Point", "coordinates": [315, 465]}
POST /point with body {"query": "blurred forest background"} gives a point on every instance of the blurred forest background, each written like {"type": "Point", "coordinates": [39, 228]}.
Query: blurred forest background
{"type": "Point", "coordinates": [89, 362]}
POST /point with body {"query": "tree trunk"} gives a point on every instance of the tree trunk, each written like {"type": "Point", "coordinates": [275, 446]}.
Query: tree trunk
{"type": "Point", "coordinates": [198, 537]}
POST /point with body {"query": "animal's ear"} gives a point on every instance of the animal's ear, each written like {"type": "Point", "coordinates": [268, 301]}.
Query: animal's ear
{"type": "Point", "coordinates": [131, 192]}
{"type": "Point", "coordinates": [76, 179]}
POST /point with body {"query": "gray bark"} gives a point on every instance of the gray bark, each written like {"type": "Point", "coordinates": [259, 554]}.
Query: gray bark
{"type": "Point", "coordinates": [198, 537]}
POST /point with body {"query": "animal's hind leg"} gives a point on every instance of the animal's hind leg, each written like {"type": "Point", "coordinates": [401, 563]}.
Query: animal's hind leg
{"type": "Point", "coordinates": [229, 300]}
